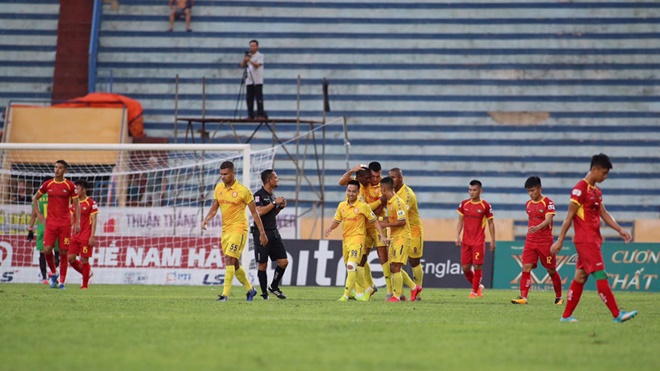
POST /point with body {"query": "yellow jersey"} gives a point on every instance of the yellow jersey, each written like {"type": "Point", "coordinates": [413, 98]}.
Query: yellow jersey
{"type": "Point", "coordinates": [232, 201]}
{"type": "Point", "coordinates": [353, 219]}
{"type": "Point", "coordinates": [414, 220]}
{"type": "Point", "coordinates": [397, 211]}
{"type": "Point", "coordinates": [372, 197]}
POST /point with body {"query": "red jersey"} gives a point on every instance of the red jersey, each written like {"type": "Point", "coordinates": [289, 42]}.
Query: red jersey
{"type": "Point", "coordinates": [60, 195]}
{"type": "Point", "coordinates": [587, 219]}
{"type": "Point", "coordinates": [475, 217]}
{"type": "Point", "coordinates": [88, 207]}
{"type": "Point", "coordinates": [537, 212]}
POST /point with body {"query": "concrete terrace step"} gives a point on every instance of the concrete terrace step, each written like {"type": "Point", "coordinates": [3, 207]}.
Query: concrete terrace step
{"type": "Point", "coordinates": [28, 38]}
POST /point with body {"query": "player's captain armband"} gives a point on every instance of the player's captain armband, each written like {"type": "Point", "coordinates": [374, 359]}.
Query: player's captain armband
{"type": "Point", "coordinates": [400, 213]}
{"type": "Point", "coordinates": [576, 192]}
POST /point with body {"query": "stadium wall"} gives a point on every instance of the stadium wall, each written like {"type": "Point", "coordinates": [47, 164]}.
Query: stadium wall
{"type": "Point", "coordinates": [199, 261]}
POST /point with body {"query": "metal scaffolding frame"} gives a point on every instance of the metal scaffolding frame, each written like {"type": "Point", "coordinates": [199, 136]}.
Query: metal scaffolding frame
{"type": "Point", "coordinates": [301, 149]}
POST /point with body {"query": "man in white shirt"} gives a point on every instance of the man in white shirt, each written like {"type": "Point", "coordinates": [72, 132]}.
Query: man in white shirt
{"type": "Point", "coordinates": [254, 82]}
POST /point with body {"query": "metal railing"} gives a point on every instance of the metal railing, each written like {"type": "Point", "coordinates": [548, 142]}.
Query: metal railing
{"type": "Point", "coordinates": [94, 46]}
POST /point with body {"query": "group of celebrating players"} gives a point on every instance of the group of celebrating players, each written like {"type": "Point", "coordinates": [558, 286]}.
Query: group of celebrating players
{"type": "Point", "coordinates": [374, 203]}
{"type": "Point", "coordinates": [378, 212]}
{"type": "Point", "coordinates": [66, 220]}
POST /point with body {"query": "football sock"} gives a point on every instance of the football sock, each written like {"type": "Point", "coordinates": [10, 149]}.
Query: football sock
{"type": "Point", "coordinates": [229, 279]}
{"type": "Point", "coordinates": [277, 277]}
{"type": "Point", "coordinates": [556, 283]}
{"type": "Point", "coordinates": [263, 281]}
{"type": "Point", "coordinates": [407, 280]}
{"type": "Point", "coordinates": [397, 282]}
{"type": "Point", "coordinates": [525, 282]}
{"type": "Point", "coordinates": [86, 268]}
{"type": "Point", "coordinates": [607, 296]}
{"type": "Point", "coordinates": [242, 278]}
{"type": "Point", "coordinates": [469, 275]}
{"type": "Point", "coordinates": [387, 273]}
{"type": "Point", "coordinates": [350, 282]}
{"type": "Point", "coordinates": [64, 267]}
{"type": "Point", "coordinates": [42, 265]}
{"type": "Point", "coordinates": [50, 259]}
{"type": "Point", "coordinates": [77, 265]}
{"type": "Point", "coordinates": [360, 281]}
{"type": "Point", "coordinates": [476, 280]}
{"type": "Point", "coordinates": [418, 274]}
{"type": "Point", "coordinates": [368, 279]}
{"type": "Point", "coordinates": [573, 298]}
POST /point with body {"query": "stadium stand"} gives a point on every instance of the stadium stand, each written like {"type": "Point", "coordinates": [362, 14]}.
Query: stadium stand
{"type": "Point", "coordinates": [28, 39]}
{"type": "Point", "coordinates": [448, 92]}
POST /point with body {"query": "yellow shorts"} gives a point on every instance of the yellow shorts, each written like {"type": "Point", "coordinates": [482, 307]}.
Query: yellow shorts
{"type": "Point", "coordinates": [233, 244]}
{"type": "Point", "coordinates": [416, 247]}
{"type": "Point", "coordinates": [352, 252]}
{"type": "Point", "coordinates": [372, 239]}
{"type": "Point", "coordinates": [398, 250]}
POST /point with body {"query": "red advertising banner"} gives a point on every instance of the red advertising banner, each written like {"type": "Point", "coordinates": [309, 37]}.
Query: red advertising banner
{"type": "Point", "coordinates": [127, 252]}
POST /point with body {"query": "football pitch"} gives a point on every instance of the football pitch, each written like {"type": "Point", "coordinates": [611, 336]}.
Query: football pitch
{"type": "Point", "coordinates": [121, 327]}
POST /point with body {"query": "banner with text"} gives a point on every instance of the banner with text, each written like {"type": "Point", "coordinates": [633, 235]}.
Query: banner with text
{"type": "Point", "coordinates": [143, 221]}
{"type": "Point", "coordinates": [199, 261]}
{"type": "Point", "coordinates": [630, 267]}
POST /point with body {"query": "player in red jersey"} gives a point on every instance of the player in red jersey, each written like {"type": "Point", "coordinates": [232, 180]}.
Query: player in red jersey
{"type": "Point", "coordinates": [473, 215]}
{"type": "Point", "coordinates": [541, 211]}
{"type": "Point", "coordinates": [83, 243]}
{"type": "Point", "coordinates": [61, 194]}
{"type": "Point", "coordinates": [585, 211]}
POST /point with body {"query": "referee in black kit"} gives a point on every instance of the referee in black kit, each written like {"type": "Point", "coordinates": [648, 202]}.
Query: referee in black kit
{"type": "Point", "coordinates": [268, 207]}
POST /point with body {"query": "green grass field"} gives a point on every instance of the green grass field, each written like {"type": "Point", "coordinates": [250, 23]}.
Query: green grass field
{"type": "Point", "coordinates": [176, 328]}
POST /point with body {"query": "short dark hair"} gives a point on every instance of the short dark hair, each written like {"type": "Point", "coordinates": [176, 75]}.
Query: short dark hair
{"type": "Point", "coordinates": [265, 175]}
{"type": "Point", "coordinates": [227, 165]}
{"type": "Point", "coordinates": [387, 181]}
{"type": "Point", "coordinates": [362, 172]}
{"type": "Point", "coordinates": [532, 181]}
{"type": "Point", "coordinates": [396, 170]}
{"type": "Point", "coordinates": [81, 182]}
{"type": "Point", "coordinates": [602, 161]}
{"type": "Point", "coordinates": [475, 182]}
{"type": "Point", "coordinates": [375, 166]}
{"type": "Point", "coordinates": [254, 41]}
{"type": "Point", "coordinates": [354, 182]}
{"type": "Point", "coordinates": [64, 163]}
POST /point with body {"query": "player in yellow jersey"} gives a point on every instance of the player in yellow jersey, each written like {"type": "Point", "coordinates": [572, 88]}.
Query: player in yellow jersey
{"type": "Point", "coordinates": [231, 197]}
{"type": "Point", "coordinates": [416, 230]}
{"type": "Point", "coordinates": [353, 215]}
{"type": "Point", "coordinates": [374, 197]}
{"type": "Point", "coordinates": [363, 176]}
{"type": "Point", "coordinates": [400, 239]}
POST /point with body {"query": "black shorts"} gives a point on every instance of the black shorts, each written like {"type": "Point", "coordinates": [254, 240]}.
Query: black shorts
{"type": "Point", "coordinates": [274, 249]}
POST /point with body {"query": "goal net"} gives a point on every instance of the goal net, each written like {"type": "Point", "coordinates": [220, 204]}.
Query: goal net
{"type": "Point", "coordinates": [152, 200]}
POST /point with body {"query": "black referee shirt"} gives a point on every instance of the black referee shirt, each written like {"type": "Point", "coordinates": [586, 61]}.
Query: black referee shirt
{"type": "Point", "coordinates": [263, 198]}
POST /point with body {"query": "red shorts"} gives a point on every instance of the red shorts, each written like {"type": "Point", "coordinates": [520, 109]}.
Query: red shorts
{"type": "Point", "coordinates": [62, 233]}
{"type": "Point", "coordinates": [473, 254]}
{"type": "Point", "coordinates": [590, 257]}
{"type": "Point", "coordinates": [80, 246]}
{"type": "Point", "coordinates": [534, 251]}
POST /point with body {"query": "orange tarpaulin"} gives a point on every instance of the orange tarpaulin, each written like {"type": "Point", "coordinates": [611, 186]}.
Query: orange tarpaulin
{"type": "Point", "coordinates": [133, 108]}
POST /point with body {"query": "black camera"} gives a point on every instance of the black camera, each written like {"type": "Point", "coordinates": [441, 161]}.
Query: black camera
{"type": "Point", "coordinates": [247, 53]}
